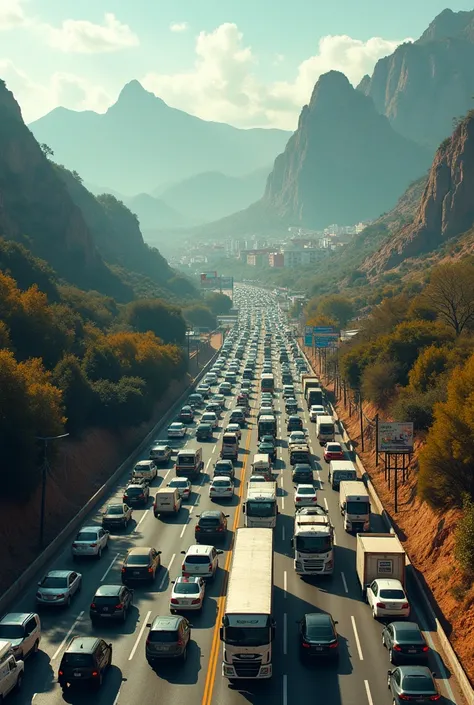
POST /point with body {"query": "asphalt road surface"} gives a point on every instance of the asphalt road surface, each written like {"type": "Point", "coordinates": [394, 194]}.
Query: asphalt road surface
{"type": "Point", "coordinates": [360, 678]}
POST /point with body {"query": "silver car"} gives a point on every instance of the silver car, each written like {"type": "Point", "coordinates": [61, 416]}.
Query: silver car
{"type": "Point", "coordinates": [58, 587]}
{"type": "Point", "coordinates": [90, 541]}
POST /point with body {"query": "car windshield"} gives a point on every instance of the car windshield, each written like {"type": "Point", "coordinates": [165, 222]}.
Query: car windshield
{"type": "Point", "coordinates": [392, 594]}
{"type": "Point", "coordinates": [11, 631]}
{"type": "Point", "coordinates": [86, 536]}
{"type": "Point", "coordinates": [319, 631]}
{"type": "Point", "coordinates": [418, 684]}
{"type": "Point", "coordinates": [247, 636]}
{"type": "Point", "coordinates": [52, 582]}
{"type": "Point", "coordinates": [178, 483]}
{"type": "Point", "coordinates": [260, 509]}
{"type": "Point", "coordinates": [131, 491]}
{"type": "Point", "coordinates": [305, 490]}
{"type": "Point", "coordinates": [361, 508]}
{"type": "Point", "coordinates": [313, 544]}
{"type": "Point", "coordinates": [186, 588]}
{"type": "Point", "coordinates": [333, 448]}
{"type": "Point", "coordinates": [159, 636]}
{"type": "Point", "coordinates": [176, 426]}
{"type": "Point", "coordinates": [115, 509]}
{"type": "Point", "coordinates": [138, 559]}
{"type": "Point", "coordinates": [197, 560]}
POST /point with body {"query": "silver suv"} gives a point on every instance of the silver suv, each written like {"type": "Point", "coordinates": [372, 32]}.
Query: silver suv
{"type": "Point", "coordinates": [168, 638]}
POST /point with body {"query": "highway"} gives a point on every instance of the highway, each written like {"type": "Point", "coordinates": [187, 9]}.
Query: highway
{"type": "Point", "coordinates": [360, 678]}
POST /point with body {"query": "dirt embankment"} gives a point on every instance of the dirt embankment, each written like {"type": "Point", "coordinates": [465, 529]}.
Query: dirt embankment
{"type": "Point", "coordinates": [82, 467]}
{"type": "Point", "coordinates": [428, 536]}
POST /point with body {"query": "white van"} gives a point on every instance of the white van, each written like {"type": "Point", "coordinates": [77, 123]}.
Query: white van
{"type": "Point", "coordinates": [261, 465]}
{"type": "Point", "coordinates": [145, 470]}
{"type": "Point", "coordinates": [201, 561]}
{"type": "Point", "coordinates": [325, 431]}
{"type": "Point", "coordinates": [11, 670]}
{"type": "Point", "coordinates": [339, 471]}
{"type": "Point", "coordinates": [167, 501]}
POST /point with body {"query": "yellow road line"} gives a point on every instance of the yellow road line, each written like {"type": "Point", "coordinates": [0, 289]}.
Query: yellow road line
{"type": "Point", "coordinates": [214, 654]}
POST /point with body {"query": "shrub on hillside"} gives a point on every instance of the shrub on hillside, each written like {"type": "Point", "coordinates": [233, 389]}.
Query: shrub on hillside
{"type": "Point", "coordinates": [378, 382]}
{"type": "Point", "coordinates": [464, 537]}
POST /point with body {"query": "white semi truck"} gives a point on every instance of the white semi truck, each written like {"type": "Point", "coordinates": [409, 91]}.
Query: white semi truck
{"type": "Point", "coordinates": [313, 544]}
{"type": "Point", "coordinates": [248, 625]}
{"type": "Point", "coordinates": [260, 507]}
{"type": "Point", "coordinates": [354, 503]}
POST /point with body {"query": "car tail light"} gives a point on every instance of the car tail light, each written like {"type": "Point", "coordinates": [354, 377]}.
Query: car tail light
{"type": "Point", "coordinates": [197, 528]}
{"type": "Point", "coordinates": [405, 606]}
{"type": "Point", "coordinates": [92, 605]}
{"type": "Point", "coordinates": [404, 697]}
{"type": "Point", "coordinates": [123, 569]}
{"type": "Point", "coordinates": [297, 499]}
{"type": "Point", "coordinates": [141, 496]}
{"type": "Point", "coordinates": [150, 569]}
{"type": "Point", "coordinates": [313, 499]}
{"type": "Point", "coordinates": [210, 568]}
{"type": "Point", "coordinates": [180, 643]}
{"type": "Point", "coordinates": [174, 601]}
{"type": "Point", "coordinates": [61, 673]}
{"type": "Point", "coordinates": [60, 596]}
{"type": "Point", "coordinates": [93, 545]}
{"type": "Point", "coordinates": [381, 605]}
{"type": "Point", "coordinates": [397, 647]}
{"type": "Point", "coordinates": [124, 497]}
{"type": "Point", "coordinates": [425, 648]}
{"type": "Point", "coordinates": [305, 645]}
{"type": "Point", "coordinates": [154, 505]}
{"type": "Point", "coordinates": [119, 606]}
{"type": "Point", "coordinates": [334, 645]}
{"type": "Point", "coordinates": [95, 674]}
{"type": "Point", "coordinates": [195, 602]}
{"type": "Point", "coordinates": [435, 697]}
{"type": "Point", "coordinates": [221, 528]}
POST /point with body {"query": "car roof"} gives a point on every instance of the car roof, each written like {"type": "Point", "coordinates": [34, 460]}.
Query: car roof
{"type": "Point", "coordinates": [306, 466]}
{"type": "Point", "coordinates": [160, 447]}
{"type": "Point", "coordinates": [405, 626]}
{"type": "Point", "coordinates": [166, 623]}
{"type": "Point", "coordinates": [415, 671]}
{"type": "Point", "coordinates": [88, 528]}
{"type": "Point", "coordinates": [83, 644]}
{"type": "Point", "coordinates": [305, 485]}
{"type": "Point", "coordinates": [318, 618]}
{"type": "Point", "coordinates": [139, 550]}
{"type": "Point", "coordinates": [16, 617]}
{"type": "Point", "coordinates": [211, 513]}
{"type": "Point", "coordinates": [190, 579]}
{"type": "Point", "coordinates": [108, 590]}
{"type": "Point", "coordinates": [388, 583]}
{"type": "Point", "coordinates": [198, 548]}
{"type": "Point", "coordinates": [59, 573]}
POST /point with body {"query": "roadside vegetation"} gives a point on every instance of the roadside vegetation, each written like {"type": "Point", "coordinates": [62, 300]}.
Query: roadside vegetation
{"type": "Point", "coordinates": [71, 360]}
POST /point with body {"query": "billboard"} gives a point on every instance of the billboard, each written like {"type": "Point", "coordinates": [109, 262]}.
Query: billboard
{"type": "Point", "coordinates": [395, 437]}
{"type": "Point", "coordinates": [323, 330]}
{"type": "Point", "coordinates": [209, 280]}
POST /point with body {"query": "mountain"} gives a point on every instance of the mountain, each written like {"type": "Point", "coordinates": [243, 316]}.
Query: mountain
{"type": "Point", "coordinates": [426, 84]}
{"type": "Point", "coordinates": [446, 208]}
{"type": "Point", "coordinates": [155, 212]}
{"type": "Point", "coordinates": [212, 195]}
{"type": "Point", "coordinates": [37, 211]}
{"type": "Point", "coordinates": [140, 142]}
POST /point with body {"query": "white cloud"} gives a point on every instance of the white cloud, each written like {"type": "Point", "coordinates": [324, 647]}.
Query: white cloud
{"type": "Point", "coordinates": [68, 90]}
{"type": "Point", "coordinates": [84, 37]}
{"type": "Point", "coordinates": [179, 26]}
{"type": "Point", "coordinates": [223, 86]}
{"type": "Point", "coordinates": [11, 14]}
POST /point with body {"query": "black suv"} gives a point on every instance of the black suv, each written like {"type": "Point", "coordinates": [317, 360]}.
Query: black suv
{"type": "Point", "coordinates": [85, 661]}
{"type": "Point", "coordinates": [141, 563]}
{"type": "Point", "coordinates": [111, 602]}
{"type": "Point", "coordinates": [212, 524]}
{"type": "Point", "coordinates": [204, 432]}
{"type": "Point", "coordinates": [136, 493]}
{"type": "Point", "coordinates": [294, 423]}
{"type": "Point", "coordinates": [168, 638]}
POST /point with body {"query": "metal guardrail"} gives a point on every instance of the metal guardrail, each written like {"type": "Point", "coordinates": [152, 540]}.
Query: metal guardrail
{"type": "Point", "coordinates": [57, 544]}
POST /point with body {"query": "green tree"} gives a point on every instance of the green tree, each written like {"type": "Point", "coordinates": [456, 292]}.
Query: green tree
{"type": "Point", "coordinates": [199, 315]}
{"type": "Point", "coordinates": [46, 149]}
{"type": "Point", "coordinates": [431, 363]}
{"type": "Point", "coordinates": [447, 459]}
{"type": "Point", "coordinates": [384, 317]}
{"type": "Point", "coordinates": [220, 304]}
{"type": "Point", "coordinates": [154, 315]}
{"type": "Point", "coordinates": [451, 294]}
{"type": "Point", "coordinates": [464, 538]}
{"type": "Point", "coordinates": [338, 308]}
{"type": "Point", "coordinates": [378, 382]}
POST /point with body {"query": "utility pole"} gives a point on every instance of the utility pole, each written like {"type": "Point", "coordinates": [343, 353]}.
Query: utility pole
{"type": "Point", "coordinates": [44, 474]}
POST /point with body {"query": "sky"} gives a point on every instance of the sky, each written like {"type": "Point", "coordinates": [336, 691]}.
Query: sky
{"type": "Point", "coordinates": [250, 63]}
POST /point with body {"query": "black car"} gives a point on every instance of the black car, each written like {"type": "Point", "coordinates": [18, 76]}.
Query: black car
{"type": "Point", "coordinates": [212, 525]}
{"type": "Point", "coordinates": [85, 660]}
{"type": "Point", "coordinates": [136, 493]}
{"type": "Point", "coordinates": [186, 415]}
{"type": "Point", "coordinates": [302, 472]}
{"type": "Point", "coordinates": [224, 467]}
{"type": "Point", "coordinates": [111, 602]}
{"type": "Point", "coordinates": [405, 643]}
{"type": "Point", "coordinates": [168, 638]}
{"type": "Point", "coordinates": [204, 432]}
{"type": "Point", "coordinates": [291, 407]}
{"type": "Point", "coordinates": [294, 423]}
{"type": "Point", "coordinates": [140, 564]}
{"type": "Point", "coordinates": [415, 683]}
{"type": "Point", "coordinates": [318, 636]}
{"type": "Point", "coordinates": [267, 448]}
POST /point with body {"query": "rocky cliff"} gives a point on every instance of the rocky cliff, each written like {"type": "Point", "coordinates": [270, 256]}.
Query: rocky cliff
{"type": "Point", "coordinates": [36, 209]}
{"type": "Point", "coordinates": [423, 85]}
{"type": "Point", "coordinates": [446, 208]}
{"type": "Point", "coordinates": [344, 164]}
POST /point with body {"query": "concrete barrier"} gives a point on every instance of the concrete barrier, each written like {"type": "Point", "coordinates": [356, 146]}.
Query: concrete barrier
{"type": "Point", "coordinates": [448, 650]}
{"type": "Point", "coordinates": [29, 574]}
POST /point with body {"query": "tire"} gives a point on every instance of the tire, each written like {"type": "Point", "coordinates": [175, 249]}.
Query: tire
{"type": "Point", "coordinates": [124, 617]}
{"type": "Point", "coordinates": [98, 684]}
{"type": "Point", "coordinates": [35, 648]}
{"type": "Point", "coordinates": [184, 655]}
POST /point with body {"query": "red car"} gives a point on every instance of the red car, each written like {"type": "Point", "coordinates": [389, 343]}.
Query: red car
{"type": "Point", "coordinates": [333, 451]}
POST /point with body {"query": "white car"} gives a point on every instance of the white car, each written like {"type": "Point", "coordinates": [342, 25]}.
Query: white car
{"type": "Point", "coordinates": [234, 428]}
{"type": "Point", "coordinates": [387, 598]}
{"type": "Point", "coordinates": [187, 594]}
{"type": "Point", "coordinates": [90, 541]}
{"type": "Point", "coordinates": [210, 417]}
{"type": "Point", "coordinates": [221, 487]}
{"type": "Point", "coordinates": [256, 478]}
{"type": "Point", "coordinates": [183, 485]}
{"type": "Point", "coordinates": [296, 438]}
{"type": "Point", "coordinates": [176, 430]}
{"type": "Point", "coordinates": [315, 411]}
{"type": "Point", "coordinates": [305, 496]}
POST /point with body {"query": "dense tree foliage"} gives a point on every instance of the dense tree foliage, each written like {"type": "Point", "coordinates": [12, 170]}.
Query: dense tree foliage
{"type": "Point", "coordinates": [154, 315]}
{"type": "Point", "coordinates": [200, 316]}
{"type": "Point", "coordinates": [220, 304]}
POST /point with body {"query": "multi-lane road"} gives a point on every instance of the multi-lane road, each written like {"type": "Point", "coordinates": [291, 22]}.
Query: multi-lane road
{"type": "Point", "coordinates": [360, 678]}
